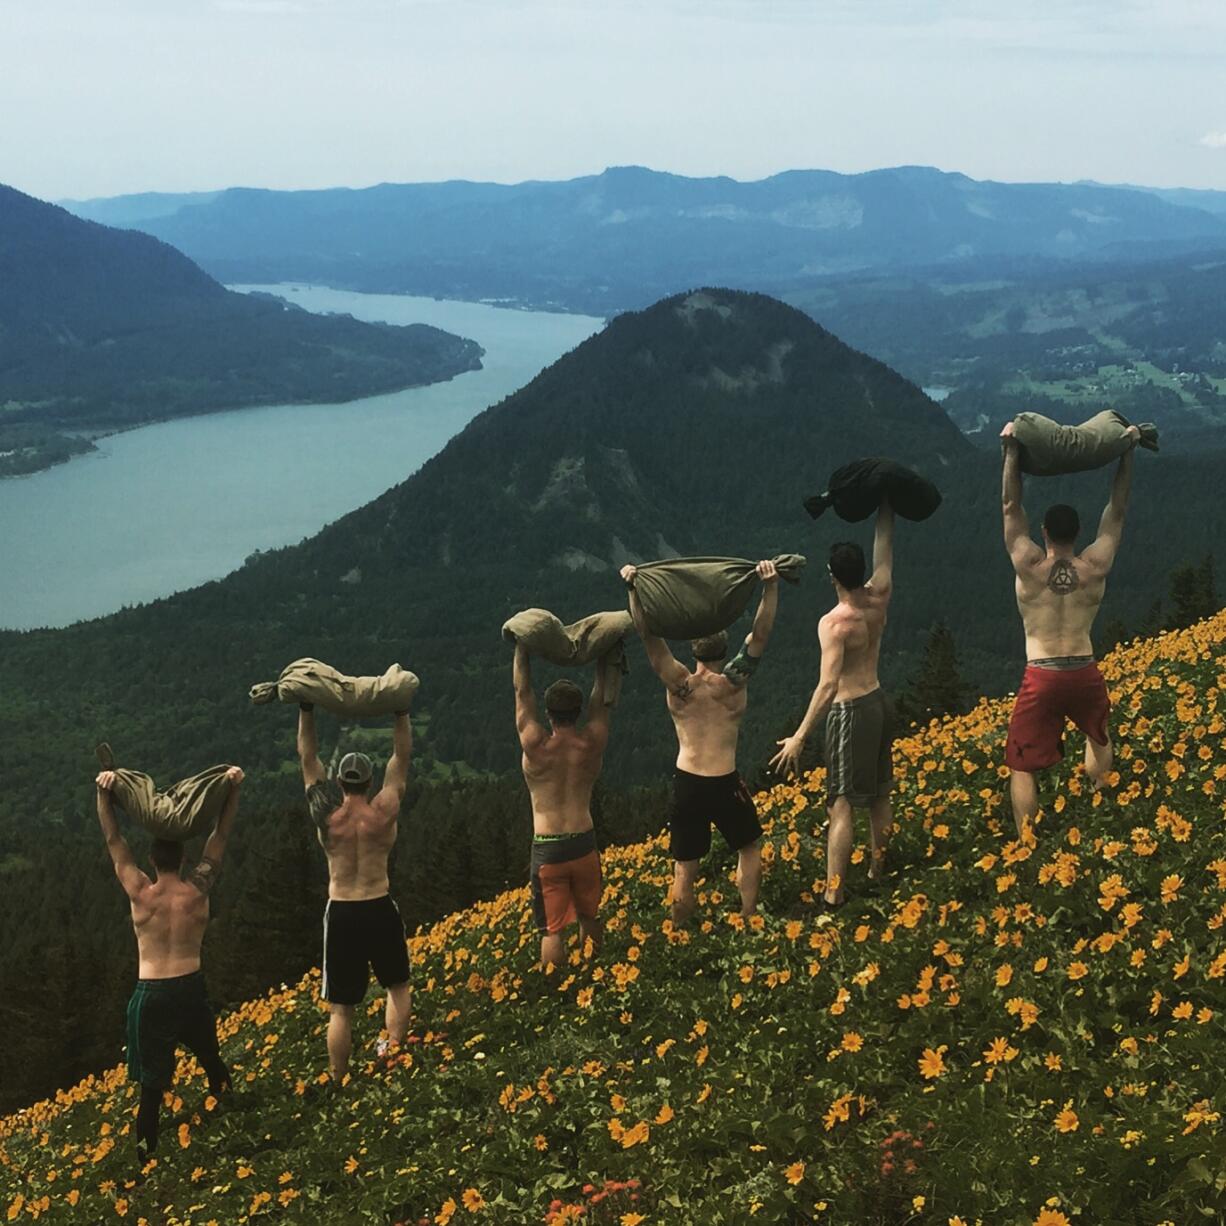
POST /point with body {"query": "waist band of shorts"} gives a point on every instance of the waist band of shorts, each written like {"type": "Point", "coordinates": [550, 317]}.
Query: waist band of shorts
{"type": "Point", "coordinates": [559, 838]}
{"type": "Point", "coordinates": [170, 982]}
{"type": "Point", "coordinates": [731, 776]}
{"type": "Point", "coordinates": [560, 850]}
{"type": "Point", "coordinates": [872, 696]}
{"type": "Point", "coordinates": [1061, 664]}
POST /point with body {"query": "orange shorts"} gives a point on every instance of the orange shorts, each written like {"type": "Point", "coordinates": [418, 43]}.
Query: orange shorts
{"type": "Point", "coordinates": [566, 881]}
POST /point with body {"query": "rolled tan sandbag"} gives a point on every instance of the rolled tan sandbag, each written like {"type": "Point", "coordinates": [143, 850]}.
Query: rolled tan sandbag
{"type": "Point", "coordinates": [186, 809]}
{"type": "Point", "coordinates": [309, 680]}
{"type": "Point", "coordinates": [1049, 449]}
{"type": "Point", "coordinates": [687, 598]}
{"type": "Point", "coordinates": [597, 637]}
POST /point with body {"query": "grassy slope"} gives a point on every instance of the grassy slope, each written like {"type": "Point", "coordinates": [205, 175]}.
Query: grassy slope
{"type": "Point", "coordinates": [799, 1071]}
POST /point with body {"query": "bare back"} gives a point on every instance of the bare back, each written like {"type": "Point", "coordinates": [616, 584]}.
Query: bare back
{"type": "Point", "coordinates": [707, 710]}
{"type": "Point", "coordinates": [560, 770]}
{"type": "Point", "coordinates": [169, 916]}
{"type": "Point", "coordinates": [859, 623]}
{"type": "Point", "coordinates": [1058, 596]}
{"type": "Point", "coordinates": [357, 838]}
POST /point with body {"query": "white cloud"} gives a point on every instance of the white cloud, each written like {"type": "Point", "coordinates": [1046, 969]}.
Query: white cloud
{"type": "Point", "coordinates": [1214, 140]}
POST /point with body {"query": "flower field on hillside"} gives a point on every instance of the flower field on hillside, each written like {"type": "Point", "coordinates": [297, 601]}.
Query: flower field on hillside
{"type": "Point", "coordinates": [1006, 1034]}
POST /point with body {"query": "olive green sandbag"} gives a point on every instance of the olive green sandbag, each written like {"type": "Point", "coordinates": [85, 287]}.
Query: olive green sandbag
{"type": "Point", "coordinates": [598, 637]}
{"type": "Point", "coordinates": [184, 810]}
{"type": "Point", "coordinates": [1049, 449]}
{"type": "Point", "coordinates": [308, 680]}
{"type": "Point", "coordinates": [687, 598]}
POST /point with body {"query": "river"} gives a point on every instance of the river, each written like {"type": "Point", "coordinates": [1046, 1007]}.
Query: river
{"type": "Point", "coordinates": [167, 506]}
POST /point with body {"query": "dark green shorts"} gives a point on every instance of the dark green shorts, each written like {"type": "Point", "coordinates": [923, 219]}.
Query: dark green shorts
{"type": "Point", "coordinates": [164, 1014]}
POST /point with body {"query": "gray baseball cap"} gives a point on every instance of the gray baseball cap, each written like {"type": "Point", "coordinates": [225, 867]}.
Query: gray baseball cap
{"type": "Point", "coordinates": [355, 768]}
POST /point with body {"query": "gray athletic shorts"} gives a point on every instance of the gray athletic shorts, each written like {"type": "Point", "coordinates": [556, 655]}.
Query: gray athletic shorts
{"type": "Point", "coordinates": [860, 748]}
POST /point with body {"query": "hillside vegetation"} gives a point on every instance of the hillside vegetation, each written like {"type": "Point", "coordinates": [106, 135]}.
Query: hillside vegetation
{"type": "Point", "coordinates": [102, 329]}
{"type": "Point", "coordinates": [1009, 1034]}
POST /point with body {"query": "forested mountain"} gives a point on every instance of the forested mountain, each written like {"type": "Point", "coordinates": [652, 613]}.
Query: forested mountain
{"type": "Point", "coordinates": [620, 239]}
{"type": "Point", "coordinates": [1064, 337]}
{"type": "Point", "coordinates": [696, 426]}
{"type": "Point", "coordinates": [103, 328]}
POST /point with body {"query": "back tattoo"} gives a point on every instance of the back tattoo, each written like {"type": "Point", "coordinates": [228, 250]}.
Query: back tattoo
{"type": "Point", "coordinates": [1063, 578]}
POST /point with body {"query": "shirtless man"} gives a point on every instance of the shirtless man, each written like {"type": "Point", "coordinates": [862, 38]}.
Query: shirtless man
{"type": "Point", "coordinates": [1058, 595]}
{"type": "Point", "coordinates": [860, 723]}
{"type": "Point", "coordinates": [170, 912]}
{"type": "Point", "coordinates": [561, 764]}
{"type": "Point", "coordinates": [362, 925]}
{"type": "Point", "coordinates": [707, 706]}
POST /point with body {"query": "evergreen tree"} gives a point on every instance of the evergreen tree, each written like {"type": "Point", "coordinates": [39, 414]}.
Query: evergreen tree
{"type": "Point", "coordinates": [1193, 594]}
{"type": "Point", "coordinates": [937, 689]}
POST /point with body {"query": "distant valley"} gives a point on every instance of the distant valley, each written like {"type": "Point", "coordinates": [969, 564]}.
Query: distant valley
{"type": "Point", "coordinates": [1054, 297]}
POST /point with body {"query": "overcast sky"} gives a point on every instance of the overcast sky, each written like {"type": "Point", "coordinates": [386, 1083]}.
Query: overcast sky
{"type": "Point", "coordinates": [99, 97]}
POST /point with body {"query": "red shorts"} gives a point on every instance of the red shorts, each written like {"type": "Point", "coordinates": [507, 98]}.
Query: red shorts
{"type": "Point", "coordinates": [1047, 698]}
{"type": "Point", "coordinates": [566, 882]}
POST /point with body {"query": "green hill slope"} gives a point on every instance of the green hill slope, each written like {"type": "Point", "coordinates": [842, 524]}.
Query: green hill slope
{"type": "Point", "coordinates": [1009, 1034]}
{"type": "Point", "coordinates": [104, 328]}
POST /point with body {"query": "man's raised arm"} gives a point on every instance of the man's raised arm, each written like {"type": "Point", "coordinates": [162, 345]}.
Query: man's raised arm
{"type": "Point", "coordinates": [204, 875]}
{"type": "Point", "coordinates": [130, 876]}
{"type": "Point", "coordinates": [768, 606]}
{"type": "Point", "coordinates": [787, 760]}
{"type": "Point", "coordinates": [1111, 527]}
{"type": "Point", "coordinates": [527, 719]}
{"type": "Point", "coordinates": [666, 666]}
{"type": "Point", "coordinates": [598, 713]}
{"type": "Point", "coordinates": [883, 548]}
{"type": "Point", "coordinates": [308, 746]}
{"type": "Point", "coordinates": [396, 775]}
{"type": "Point", "coordinates": [1018, 541]}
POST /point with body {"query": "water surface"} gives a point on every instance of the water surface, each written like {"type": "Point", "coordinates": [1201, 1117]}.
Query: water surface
{"type": "Point", "coordinates": [167, 506]}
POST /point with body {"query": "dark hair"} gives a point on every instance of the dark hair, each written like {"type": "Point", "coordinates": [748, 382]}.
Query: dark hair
{"type": "Point", "coordinates": [166, 854]}
{"type": "Point", "coordinates": [563, 702]}
{"type": "Point", "coordinates": [846, 564]}
{"type": "Point", "coordinates": [354, 789]}
{"type": "Point", "coordinates": [1062, 523]}
{"type": "Point", "coordinates": [710, 647]}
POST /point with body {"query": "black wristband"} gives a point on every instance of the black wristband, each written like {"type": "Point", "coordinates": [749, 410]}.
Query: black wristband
{"type": "Point", "coordinates": [306, 706]}
{"type": "Point", "coordinates": [398, 714]}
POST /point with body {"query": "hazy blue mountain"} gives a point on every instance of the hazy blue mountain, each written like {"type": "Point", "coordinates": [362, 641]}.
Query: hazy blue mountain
{"type": "Point", "coordinates": [624, 237]}
{"type": "Point", "coordinates": [102, 328]}
{"type": "Point", "coordinates": [132, 210]}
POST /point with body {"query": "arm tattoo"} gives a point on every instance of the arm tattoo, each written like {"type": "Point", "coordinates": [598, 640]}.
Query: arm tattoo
{"type": "Point", "coordinates": [683, 691]}
{"type": "Point", "coordinates": [204, 875]}
{"type": "Point", "coordinates": [1063, 578]}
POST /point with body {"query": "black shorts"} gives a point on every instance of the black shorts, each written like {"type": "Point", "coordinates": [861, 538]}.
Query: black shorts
{"type": "Point", "coordinates": [699, 800]}
{"type": "Point", "coordinates": [164, 1014]}
{"type": "Point", "coordinates": [360, 937]}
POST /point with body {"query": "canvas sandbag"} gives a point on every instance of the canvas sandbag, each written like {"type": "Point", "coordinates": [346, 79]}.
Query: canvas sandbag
{"type": "Point", "coordinates": [186, 809]}
{"type": "Point", "coordinates": [598, 637]}
{"type": "Point", "coordinates": [856, 490]}
{"type": "Point", "coordinates": [1049, 449]}
{"type": "Point", "coordinates": [308, 680]}
{"type": "Point", "coordinates": [687, 598]}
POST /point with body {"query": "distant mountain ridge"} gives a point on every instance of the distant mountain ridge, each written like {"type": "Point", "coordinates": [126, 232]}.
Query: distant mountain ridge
{"type": "Point", "coordinates": [102, 328]}
{"type": "Point", "coordinates": [629, 235]}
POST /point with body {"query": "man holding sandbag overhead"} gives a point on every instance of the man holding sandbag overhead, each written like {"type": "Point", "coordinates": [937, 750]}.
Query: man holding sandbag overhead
{"type": "Point", "coordinates": [707, 707]}
{"type": "Point", "coordinates": [170, 912]}
{"type": "Point", "coordinates": [859, 716]}
{"type": "Point", "coordinates": [561, 764]}
{"type": "Point", "coordinates": [1059, 592]}
{"type": "Point", "coordinates": [362, 925]}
